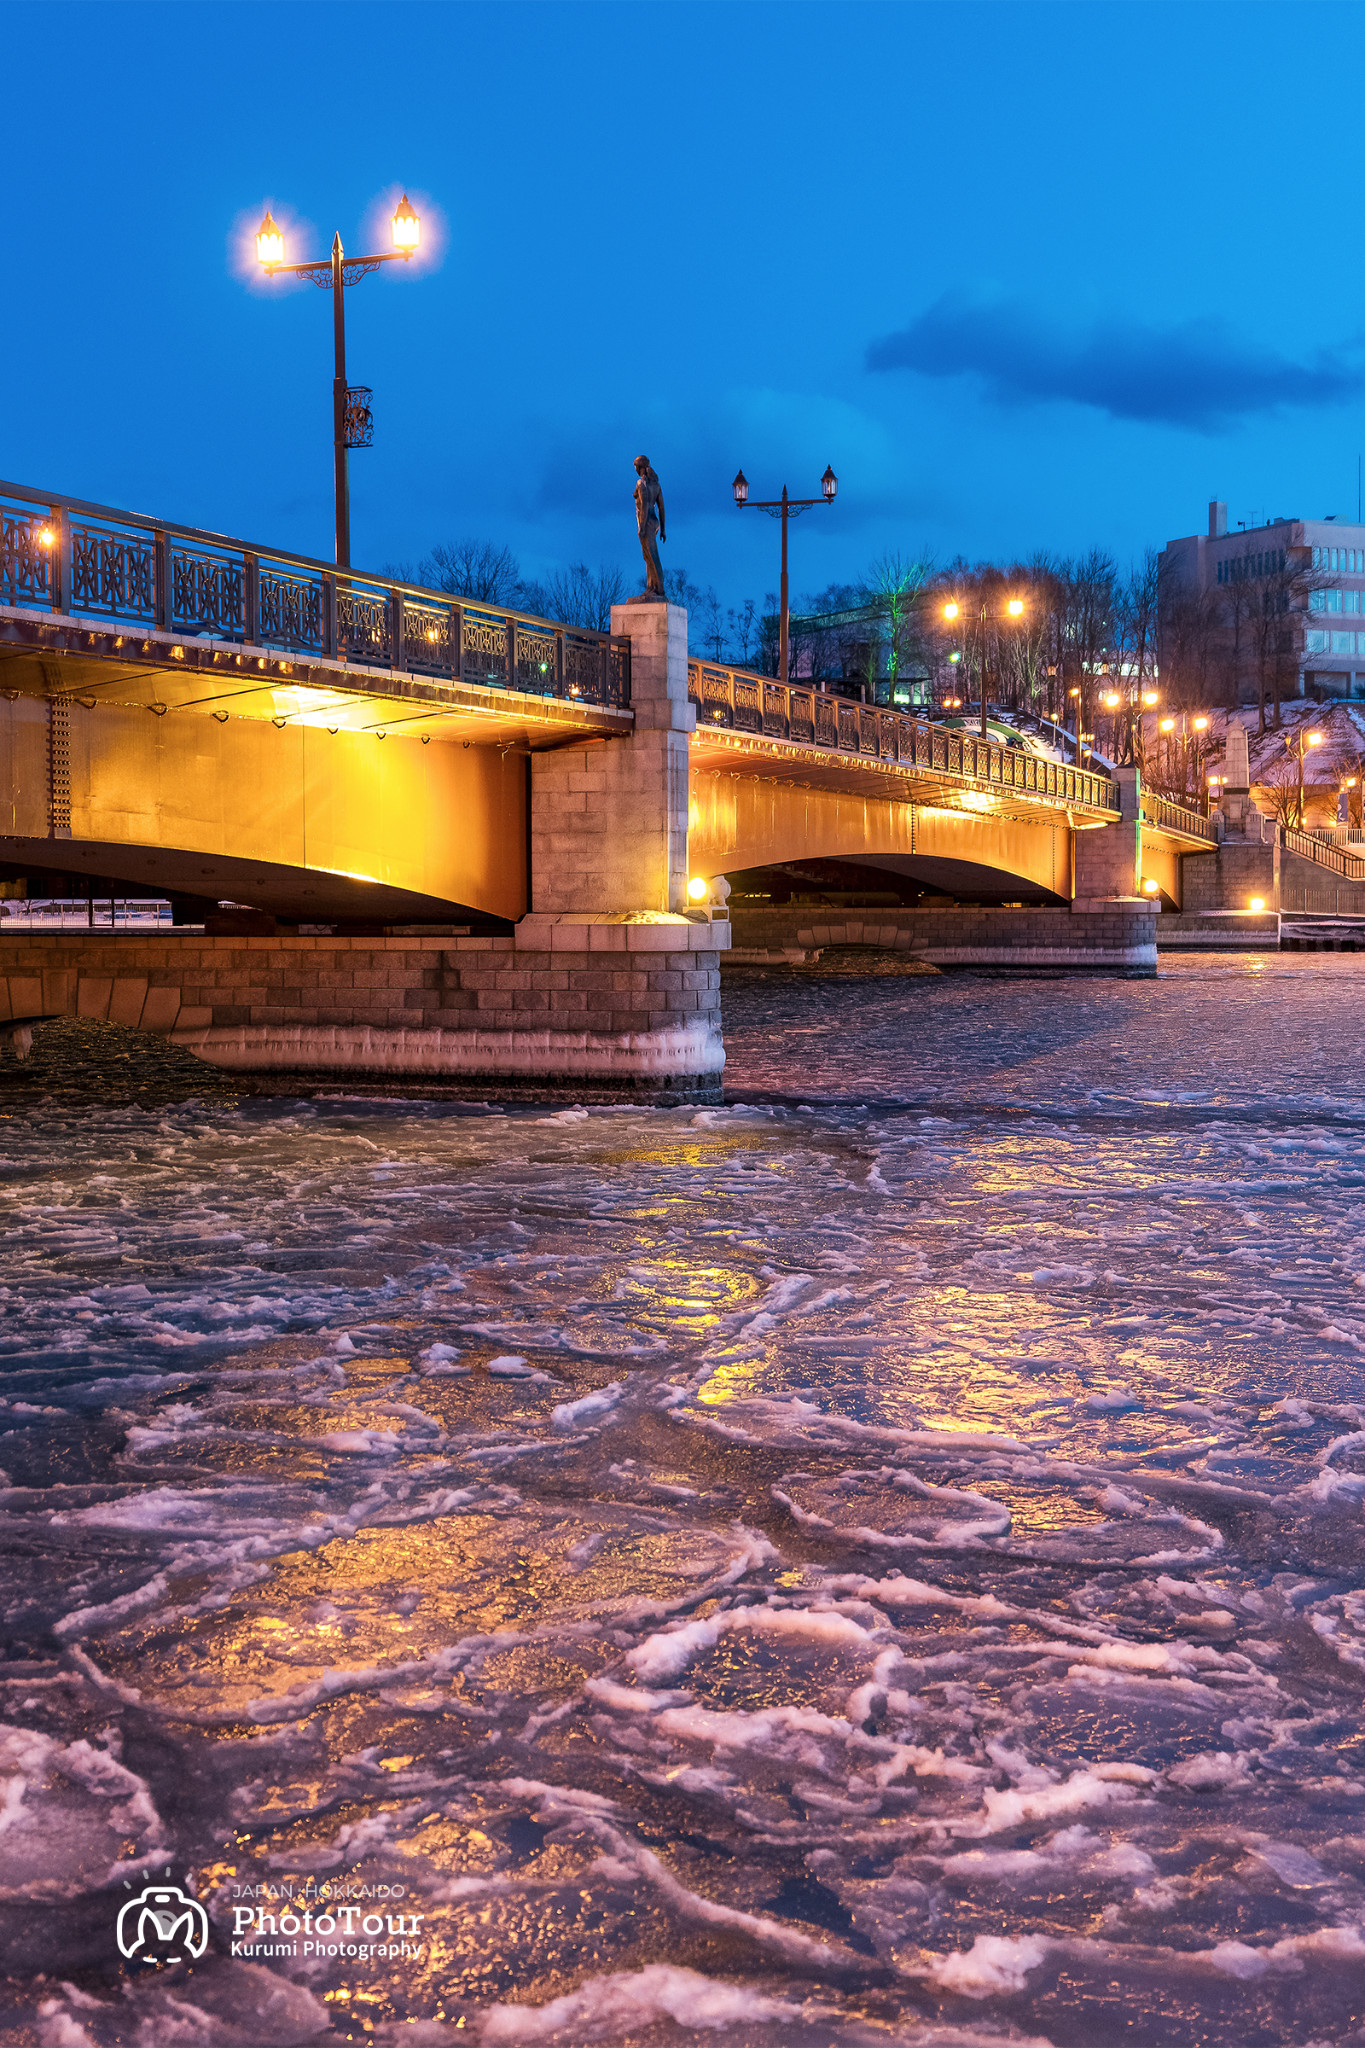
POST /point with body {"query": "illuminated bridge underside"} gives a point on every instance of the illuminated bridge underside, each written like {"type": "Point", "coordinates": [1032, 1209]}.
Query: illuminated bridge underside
{"type": "Point", "coordinates": [234, 773]}
{"type": "Point", "coordinates": [757, 810]}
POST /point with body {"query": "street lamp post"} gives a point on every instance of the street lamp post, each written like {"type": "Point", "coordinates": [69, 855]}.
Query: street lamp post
{"type": "Point", "coordinates": [1305, 740]}
{"type": "Point", "coordinates": [1014, 609]}
{"type": "Point", "coordinates": [352, 424]}
{"type": "Point", "coordinates": [784, 508]}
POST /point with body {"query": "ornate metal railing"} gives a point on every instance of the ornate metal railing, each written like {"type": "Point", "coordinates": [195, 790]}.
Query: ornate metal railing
{"type": "Point", "coordinates": [1350, 866]}
{"type": "Point", "coordinates": [1160, 812]}
{"type": "Point", "coordinates": [801, 713]}
{"type": "Point", "coordinates": [74, 560]}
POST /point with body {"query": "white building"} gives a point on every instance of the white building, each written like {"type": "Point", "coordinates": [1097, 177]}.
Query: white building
{"type": "Point", "coordinates": [1332, 632]}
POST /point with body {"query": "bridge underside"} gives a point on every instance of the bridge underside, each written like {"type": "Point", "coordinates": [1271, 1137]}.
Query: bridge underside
{"type": "Point", "coordinates": [223, 774]}
{"type": "Point", "coordinates": [742, 822]}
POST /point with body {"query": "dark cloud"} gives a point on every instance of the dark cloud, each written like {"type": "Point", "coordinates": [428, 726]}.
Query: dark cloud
{"type": "Point", "coordinates": [1197, 374]}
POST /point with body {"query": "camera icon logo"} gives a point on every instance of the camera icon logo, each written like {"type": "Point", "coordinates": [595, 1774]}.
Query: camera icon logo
{"type": "Point", "coordinates": [162, 1925]}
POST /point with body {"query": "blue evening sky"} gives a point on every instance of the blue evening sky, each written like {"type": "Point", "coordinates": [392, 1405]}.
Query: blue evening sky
{"type": "Point", "coordinates": [1029, 276]}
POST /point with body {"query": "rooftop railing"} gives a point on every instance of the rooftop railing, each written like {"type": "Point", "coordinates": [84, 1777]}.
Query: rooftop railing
{"type": "Point", "coordinates": [740, 701]}
{"type": "Point", "coordinates": [86, 562]}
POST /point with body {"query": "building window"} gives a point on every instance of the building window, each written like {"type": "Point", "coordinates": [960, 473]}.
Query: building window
{"type": "Point", "coordinates": [1317, 600]}
{"type": "Point", "coordinates": [1333, 599]}
{"type": "Point", "coordinates": [1350, 600]}
{"type": "Point", "coordinates": [1343, 643]}
{"type": "Point", "coordinates": [1316, 643]}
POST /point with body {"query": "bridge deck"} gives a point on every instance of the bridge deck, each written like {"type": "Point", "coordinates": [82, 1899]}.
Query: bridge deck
{"type": "Point", "coordinates": [799, 733]}
{"type": "Point", "coordinates": [118, 608]}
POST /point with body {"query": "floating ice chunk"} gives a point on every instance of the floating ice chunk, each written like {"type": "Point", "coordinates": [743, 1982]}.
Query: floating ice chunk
{"type": "Point", "coordinates": [1292, 1865]}
{"type": "Point", "coordinates": [572, 1414]}
{"type": "Point", "coordinates": [993, 1964]}
{"type": "Point", "coordinates": [440, 1361]}
{"type": "Point", "coordinates": [68, 1816]}
{"type": "Point", "coordinates": [343, 1347]}
{"type": "Point", "coordinates": [1113, 1400]}
{"type": "Point", "coordinates": [510, 1367]}
{"type": "Point", "coordinates": [611, 2006]}
{"type": "Point", "coordinates": [1213, 1770]}
{"type": "Point", "coordinates": [1235, 1959]}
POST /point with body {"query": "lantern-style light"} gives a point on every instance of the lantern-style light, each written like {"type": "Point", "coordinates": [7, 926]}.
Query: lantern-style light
{"type": "Point", "coordinates": [407, 228]}
{"type": "Point", "coordinates": [829, 484]}
{"type": "Point", "coordinates": [1015, 607]}
{"type": "Point", "coordinates": [269, 242]}
{"type": "Point", "coordinates": [740, 487]}
{"type": "Point", "coordinates": [47, 535]}
{"type": "Point", "coordinates": [950, 610]}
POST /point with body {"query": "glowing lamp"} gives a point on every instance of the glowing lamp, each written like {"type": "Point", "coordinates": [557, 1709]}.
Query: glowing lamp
{"type": "Point", "coordinates": [47, 537]}
{"type": "Point", "coordinates": [1015, 607]}
{"type": "Point", "coordinates": [407, 228]}
{"type": "Point", "coordinates": [1168, 725]}
{"type": "Point", "coordinates": [1200, 724]}
{"type": "Point", "coordinates": [269, 242]}
{"type": "Point", "coordinates": [1257, 903]}
{"type": "Point", "coordinates": [829, 484]}
{"type": "Point", "coordinates": [1149, 698]}
{"type": "Point", "coordinates": [698, 889]}
{"type": "Point", "coordinates": [1349, 783]}
{"type": "Point", "coordinates": [955, 655]}
{"type": "Point", "coordinates": [1112, 700]}
{"type": "Point", "coordinates": [740, 487]}
{"type": "Point", "coordinates": [1150, 888]}
{"type": "Point", "coordinates": [1313, 739]}
{"type": "Point", "coordinates": [950, 611]}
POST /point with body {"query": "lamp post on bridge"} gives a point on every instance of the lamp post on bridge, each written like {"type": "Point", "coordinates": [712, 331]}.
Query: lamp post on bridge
{"type": "Point", "coordinates": [785, 508]}
{"type": "Point", "coordinates": [352, 423]}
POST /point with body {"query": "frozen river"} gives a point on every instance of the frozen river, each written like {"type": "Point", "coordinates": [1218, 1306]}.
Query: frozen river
{"type": "Point", "coordinates": [878, 1562]}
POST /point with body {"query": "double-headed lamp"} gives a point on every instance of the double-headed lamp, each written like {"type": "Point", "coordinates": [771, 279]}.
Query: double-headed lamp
{"type": "Point", "coordinates": [740, 487]}
{"type": "Point", "coordinates": [269, 241]}
{"type": "Point", "coordinates": [407, 228]}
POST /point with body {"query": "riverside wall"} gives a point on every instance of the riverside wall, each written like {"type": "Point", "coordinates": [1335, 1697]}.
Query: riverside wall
{"type": "Point", "coordinates": [1112, 937]}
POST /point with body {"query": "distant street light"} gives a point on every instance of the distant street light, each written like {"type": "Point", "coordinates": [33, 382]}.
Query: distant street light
{"type": "Point", "coordinates": [784, 508]}
{"type": "Point", "coordinates": [1012, 609]}
{"type": "Point", "coordinates": [352, 422]}
{"type": "Point", "coordinates": [1305, 741]}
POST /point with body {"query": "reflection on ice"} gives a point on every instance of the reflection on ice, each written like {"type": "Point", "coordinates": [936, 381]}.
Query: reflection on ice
{"type": "Point", "coordinates": [879, 1567]}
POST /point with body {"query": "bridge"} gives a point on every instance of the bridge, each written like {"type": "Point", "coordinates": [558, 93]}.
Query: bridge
{"type": "Point", "coordinates": [498, 814]}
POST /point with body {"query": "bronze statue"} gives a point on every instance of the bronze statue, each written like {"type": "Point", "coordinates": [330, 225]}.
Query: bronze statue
{"type": "Point", "coordinates": [649, 516]}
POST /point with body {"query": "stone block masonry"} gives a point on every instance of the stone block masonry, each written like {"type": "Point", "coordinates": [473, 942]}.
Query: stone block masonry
{"type": "Point", "coordinates": [1110, 938]}
{"type": "Point", "coordinates": [615, 999]}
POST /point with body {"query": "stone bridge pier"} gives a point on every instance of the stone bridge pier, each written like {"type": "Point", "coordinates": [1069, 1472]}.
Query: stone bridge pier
{"type": "Point", "coordinates": [609, 978]}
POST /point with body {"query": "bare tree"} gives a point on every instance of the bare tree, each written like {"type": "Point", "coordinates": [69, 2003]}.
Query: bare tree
{"type": "Point", "coordinates": [742, 627]}
{"type": "Point", "coordinates": [578, 596]}
{"type": "Point", "coordinates": [479, 570]}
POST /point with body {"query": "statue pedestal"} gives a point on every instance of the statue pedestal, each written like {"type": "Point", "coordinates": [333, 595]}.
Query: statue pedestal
{"type": "Point", "coordinates": [609, 819]}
